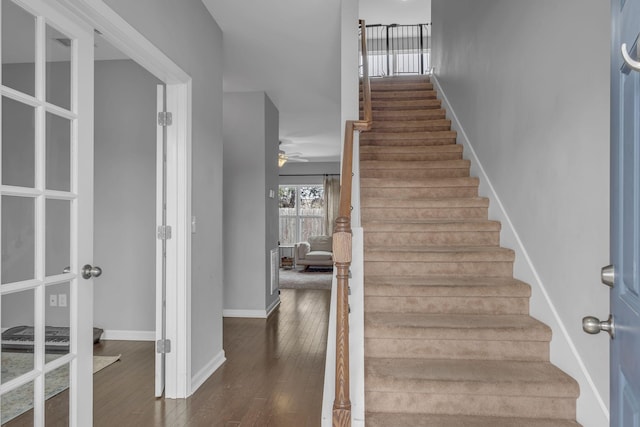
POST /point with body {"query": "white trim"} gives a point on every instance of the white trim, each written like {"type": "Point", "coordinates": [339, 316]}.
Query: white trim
{"type": "Point", "coordinates": [124, 335]}
{"type": "Point", "coordinates": [127, 39]}
{"type": "Point", "coordinates": [253, 314]}
{"type": "Point", "coordinates": [549, 313]}
{"type": "Point", "coordinates": [207, 370]}
{"type": "Point", "coordinates": [248, 314]}
{"type": "Point", "coordinates": [160, 358]}
{"type": "Point", "coordinates": [273, 307]}
{"type": "Point", "coordinates": [356, 325]}
{"type": "Point", "coordinates": [132, 43]}
{"type": "Point", "coordinates": [329, 391]}
{"type": "Point", "coordinates": [179, 213]}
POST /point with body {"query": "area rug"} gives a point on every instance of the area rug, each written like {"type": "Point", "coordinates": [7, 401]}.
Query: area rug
{"type": "Point", "coordinates": [20, 400]}
{"type": "Point", "coordinates": [295, 279]}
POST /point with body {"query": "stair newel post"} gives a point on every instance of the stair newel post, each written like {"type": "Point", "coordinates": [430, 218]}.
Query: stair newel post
{"type": "Point", "coordinates": [342, 258]}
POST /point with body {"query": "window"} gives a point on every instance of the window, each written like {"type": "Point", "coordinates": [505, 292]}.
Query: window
{"type": "Point", "coordinates": [301, 212]}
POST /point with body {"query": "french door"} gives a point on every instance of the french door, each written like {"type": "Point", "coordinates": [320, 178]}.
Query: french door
{"type": "Point", "coordinates": [625, 213]}
{"type": "Point", "coordinates": [46, 211]}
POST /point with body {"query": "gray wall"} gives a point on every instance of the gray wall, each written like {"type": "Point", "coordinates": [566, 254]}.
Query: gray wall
{"type": "Point", "coordinates": [307, 173]}
{"type": "Point", "coordinates": [529, 82]}
{"type": "Point", "coordinates": [272, 214]}
{"type": "Point", "coordinates": [250, 216]}
{"type": "Point", "coordinates": [124, 208]}
{"type": "Point", "coordinates": [186, 32]}
{"type": "Point", "coordinates": [124, 238]}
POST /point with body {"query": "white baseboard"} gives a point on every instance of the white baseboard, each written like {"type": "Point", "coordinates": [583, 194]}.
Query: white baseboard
{"type": "Point", "coordinates": [253, 314]}
{"type": "Point", "coordinates": [250, 314]}
{"type": "Point", "coordinates": [563, 351]}
{"type": "Point", "coordinates": [129, 335]}
{"type": "Point", "coordinates": [273, 307]}
{"type": "Point", "coordinates": [203, 374]}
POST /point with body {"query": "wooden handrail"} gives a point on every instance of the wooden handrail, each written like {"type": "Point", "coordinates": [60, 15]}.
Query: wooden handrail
{"type": "Point", "coordinates": [342, 250]}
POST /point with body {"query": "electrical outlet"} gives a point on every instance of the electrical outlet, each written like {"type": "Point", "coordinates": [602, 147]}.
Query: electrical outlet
{"type": "Point", "coordinates": [62, 300]}
{"type": "Point", "coordinates": [53, 300]}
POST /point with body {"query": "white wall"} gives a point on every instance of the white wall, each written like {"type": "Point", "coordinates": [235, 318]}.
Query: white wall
{"type": "Point", "coordinates": [406, 12]}
{"type": "Point", "coordinates": [124, 209]}
{"type": "Point", "coordinates": [250, 215]}
{"type": "Point", "coordinates": [186, 32]}
{"type": "Point", "coordinates": [529, 82]}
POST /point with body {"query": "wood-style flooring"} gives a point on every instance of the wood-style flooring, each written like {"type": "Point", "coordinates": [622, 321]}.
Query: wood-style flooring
{"type": "Point", "coordinates": [273, 376]}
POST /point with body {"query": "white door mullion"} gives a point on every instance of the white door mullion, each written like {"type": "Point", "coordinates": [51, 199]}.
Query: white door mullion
{"type": "Point", "coordinates": [40, 208]}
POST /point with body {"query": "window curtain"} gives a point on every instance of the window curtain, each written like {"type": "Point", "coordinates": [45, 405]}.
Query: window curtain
{"type": "Point", "coordinates": [331, 202]}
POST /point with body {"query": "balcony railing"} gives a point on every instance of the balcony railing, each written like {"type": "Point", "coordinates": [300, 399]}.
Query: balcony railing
{"type": "Point", "coordinates": [398, 49]}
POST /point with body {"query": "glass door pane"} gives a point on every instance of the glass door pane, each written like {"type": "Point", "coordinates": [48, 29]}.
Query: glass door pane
{"type": "Point", "coordinates": [58, 237]}
{"type": "Point", "coordinates": [18, 337]}
{"type": "Point", "coordinates": [58, 69]}
{"type": "Point", "coordinates": [18, 239]}
{"type": "Point", "coordinates": [18, 143]}
{"type": "Point", "coordinates": [56, 393]}
{"type": "Point", "coordinates": [58, 152]}
{"type": "Point", "coordinates": [18, 48]}
{"type": "Point", "coordinates": [17, 404]}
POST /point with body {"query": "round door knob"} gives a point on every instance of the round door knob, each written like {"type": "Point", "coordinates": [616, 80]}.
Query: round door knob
{"type": "Point", "coordinates": [88, 271]}
{"type": "Point", "coordinates": [593, 325]}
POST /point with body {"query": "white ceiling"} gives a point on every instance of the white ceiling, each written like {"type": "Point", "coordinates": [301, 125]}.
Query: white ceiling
{"type": "Point", "coordinates": [290, 49]}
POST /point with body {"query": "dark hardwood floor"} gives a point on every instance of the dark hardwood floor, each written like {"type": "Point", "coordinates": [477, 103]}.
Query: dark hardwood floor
{"type": "Point", "coordinates": [273, 376]}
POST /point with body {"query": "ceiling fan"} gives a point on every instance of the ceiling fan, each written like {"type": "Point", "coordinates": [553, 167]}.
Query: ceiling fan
{"type": "Point", "coordinates": [284, 157]}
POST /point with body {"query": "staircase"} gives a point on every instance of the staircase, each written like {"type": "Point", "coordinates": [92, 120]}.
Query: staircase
{"type": "Point", "coordinates": [448, 337]}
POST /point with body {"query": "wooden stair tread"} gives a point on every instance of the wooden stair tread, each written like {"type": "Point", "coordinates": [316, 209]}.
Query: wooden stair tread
{"type": "Point", "coordinates": [415, 138]}
{"type": "Point", "coordinates": [375, 419]}
{"type": "Point", "coordinates": [469, 376]}
{"type": "Point", "coordinates": [411, 125]}
{"type": "Point", "coordinates": [415, 93]}
{"type": "Point", "coordinates": [440, 252]}
{"type": "Point", "coordinates": [421, 135]}
{"type": "Point", "coordinates": [476, 327]}
{"type": "Point", "coordinates": [408, 182]}
{"type": "Point", "coordinates": [391, 203]}
{"type": "Point", "coordinates": [392, 286]}
{"type": "Point", "coordinates": [411, 149]}
{"type": "Point", "coordinates": [415, 164]}
{"type": "Point", "coordinates": [430, 225]}
{"type": "Point", "coordinates": [405, 104]}
{"type": "Point", "coordinates": [400, 116]}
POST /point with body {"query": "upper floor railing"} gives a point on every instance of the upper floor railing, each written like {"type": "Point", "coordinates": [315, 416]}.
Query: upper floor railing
{"type": "Point", "coordinates": [398, 49]}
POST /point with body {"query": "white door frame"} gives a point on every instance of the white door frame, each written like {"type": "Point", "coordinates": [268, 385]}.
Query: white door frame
{"type": "Point", "coordinates": [133, 44]}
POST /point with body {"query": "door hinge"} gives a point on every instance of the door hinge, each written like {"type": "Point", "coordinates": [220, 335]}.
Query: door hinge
{"type": "Point", "coordinates": [164, 232]}
{"type": "Point", "coordinates": [163, 346]}
{"type": "Point", "coordinates": [165, 118]}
